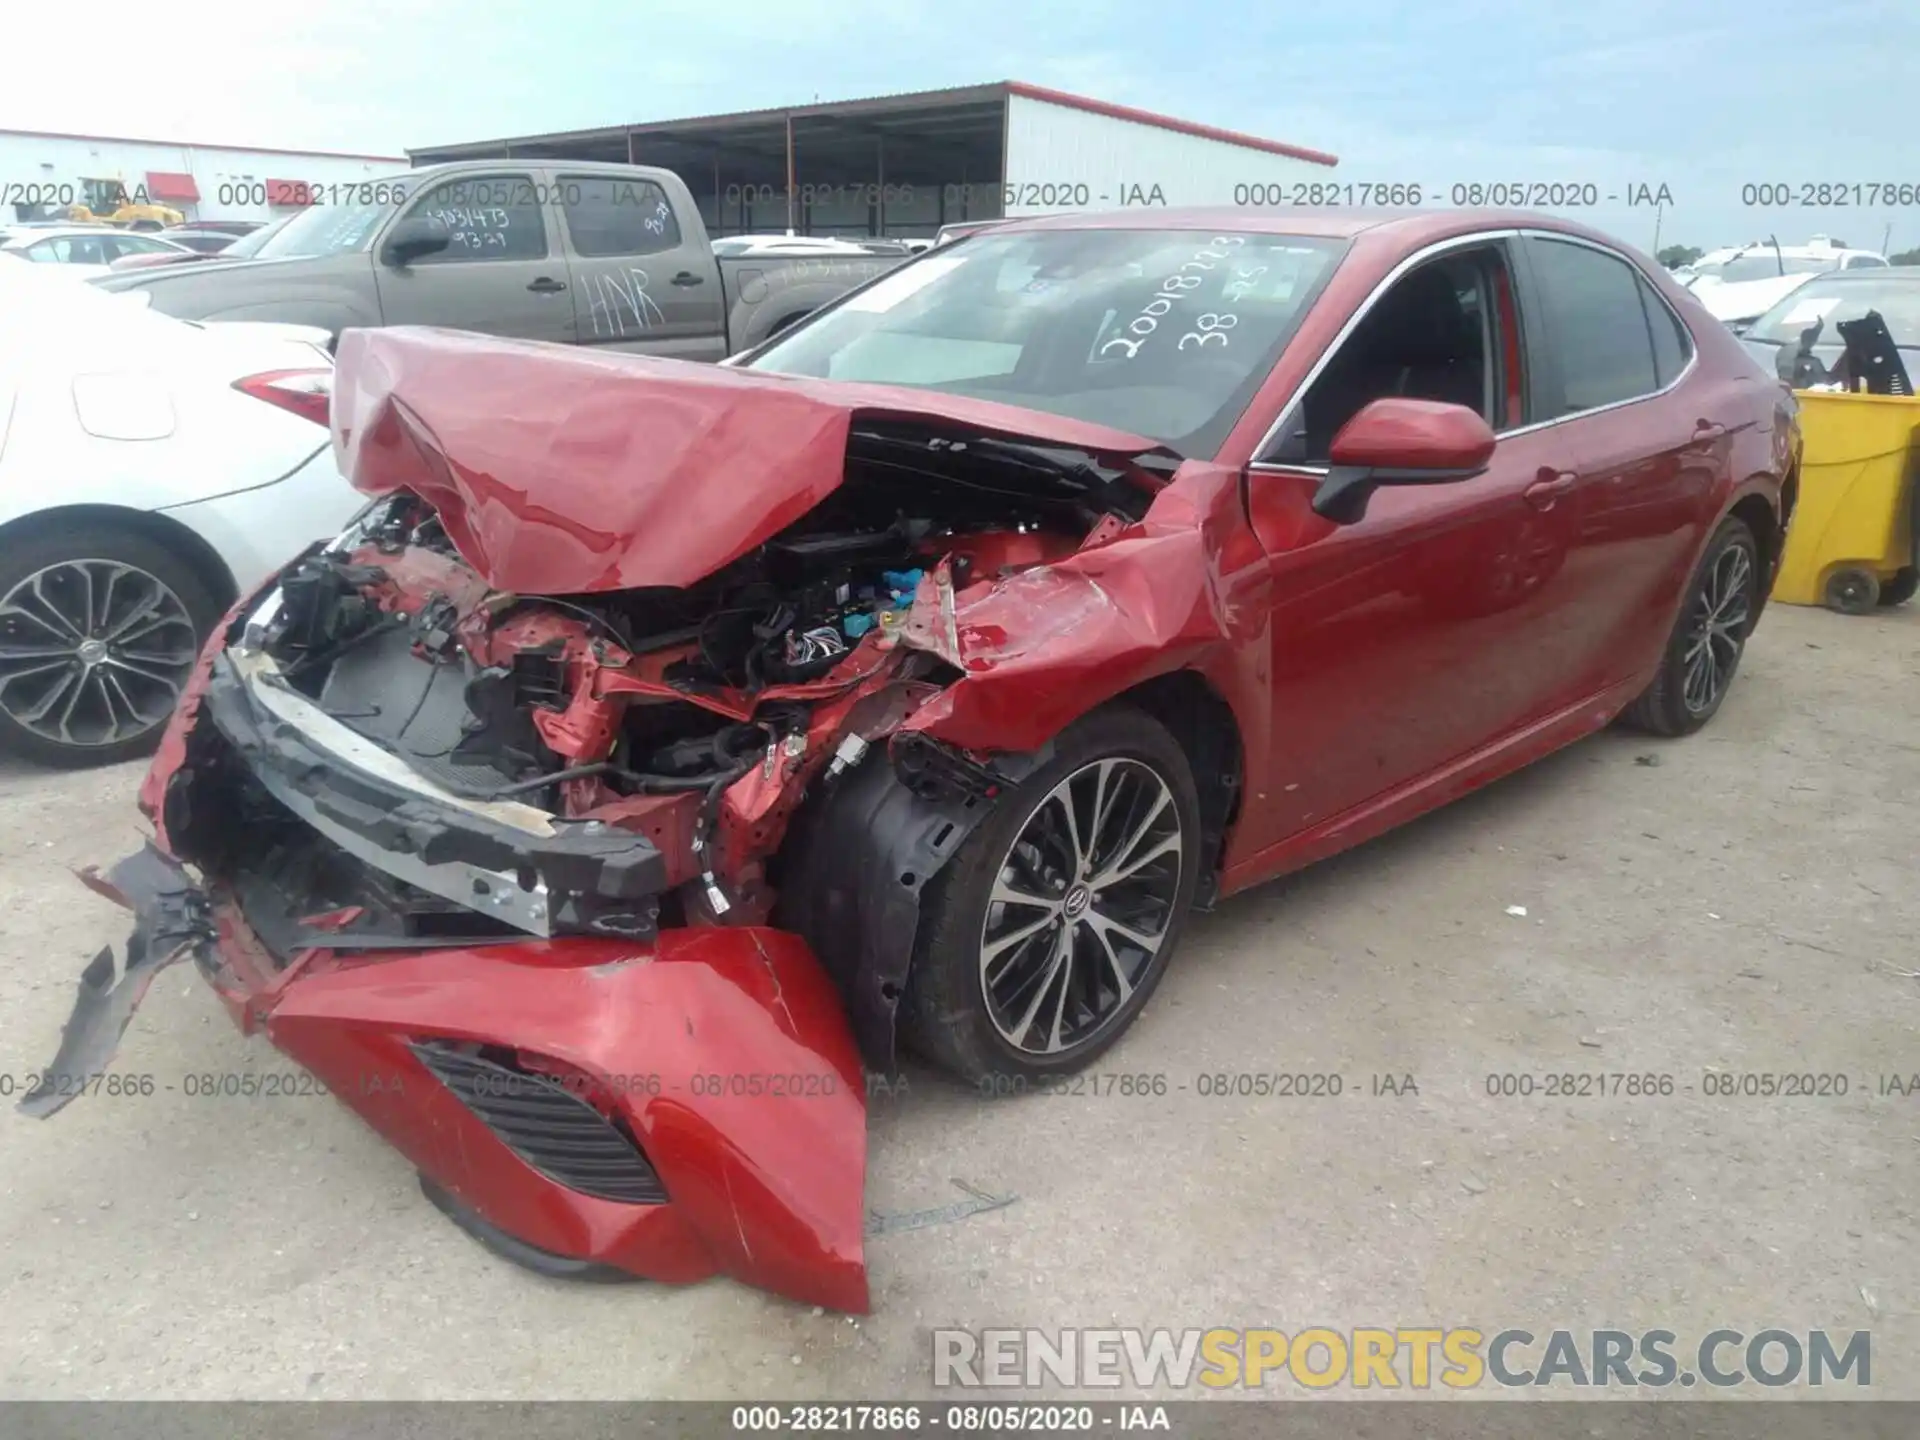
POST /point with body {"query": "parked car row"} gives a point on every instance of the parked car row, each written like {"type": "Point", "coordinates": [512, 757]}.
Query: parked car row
{"type": "Point", "coordinates": [90, 249]}
{"type": "Point", "coordinates": [1739, 284]}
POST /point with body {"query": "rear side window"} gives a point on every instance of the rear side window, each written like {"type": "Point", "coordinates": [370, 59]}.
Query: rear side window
{"type": "Point", "coordinates": [1672, 345]}
{"type": "Point", "coordinates": [607, 215]}
{"type": "Point", "coordinates": [1604, 349]}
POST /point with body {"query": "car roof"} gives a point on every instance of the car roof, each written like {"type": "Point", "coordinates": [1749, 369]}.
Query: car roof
{"type": "Point", "coordinates": [55, 232]}
{"type": "Point", "coordinates": [1412, 228]}
{"type": "Point", "coordinates": [529, 162]}
{"type": "Point", "coordinates": [1765, 247]}
{"type": "Point", "coordinates": [1871, 272]}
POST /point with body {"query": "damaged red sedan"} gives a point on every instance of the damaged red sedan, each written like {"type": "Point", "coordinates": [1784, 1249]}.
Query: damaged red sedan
{"type": "Point", "coordinates": [665, 745]}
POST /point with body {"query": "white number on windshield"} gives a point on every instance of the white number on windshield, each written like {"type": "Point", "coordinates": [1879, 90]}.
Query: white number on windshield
{"type": "Point", "coordinates": [1211, 326]}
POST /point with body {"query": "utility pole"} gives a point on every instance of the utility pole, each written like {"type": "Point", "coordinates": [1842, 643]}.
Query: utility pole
{"type": "Point", "coordinates": [790, 195]}
{"type": "Point", "coordinates": [1659, 208]}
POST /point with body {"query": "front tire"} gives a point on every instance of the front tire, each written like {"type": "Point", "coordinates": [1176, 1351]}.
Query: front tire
{"type": "Point", "coordinates": [1709, 636]}
{"type": "Point", "coordinates": [1042, 940]}
{"type": "Point", "coordinates": [99, 630]}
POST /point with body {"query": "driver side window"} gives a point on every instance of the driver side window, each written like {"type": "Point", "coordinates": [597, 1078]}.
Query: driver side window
{"type": "Point", "coordinates": [1435, 335]}
{"type": "Point", "coordinates": [488, 217]}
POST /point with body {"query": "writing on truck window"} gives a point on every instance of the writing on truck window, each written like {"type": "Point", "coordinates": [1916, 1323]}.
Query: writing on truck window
{"type": "Point", "coordinates": [475, 229]}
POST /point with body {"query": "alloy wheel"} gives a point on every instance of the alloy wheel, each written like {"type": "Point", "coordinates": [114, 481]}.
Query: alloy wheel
{"type": "Point", "coordinates": [1081, 906]}
{"type": "Point", "coordinates": [1717, 628]}
{"type": "Point", "coordinates": [93, 652]}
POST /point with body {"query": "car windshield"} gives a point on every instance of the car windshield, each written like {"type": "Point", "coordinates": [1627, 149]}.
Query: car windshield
{"type": "Point", "coordinates": [1829, 302]}
{"type": "Point", "coordinates": [1764, 265]}
{"type": "Point", "coordinates": [1162, 333]}
{"type": "Point", "coordinates": [249, 244]}
{"type": "Point", "coordinates": [340, 228]}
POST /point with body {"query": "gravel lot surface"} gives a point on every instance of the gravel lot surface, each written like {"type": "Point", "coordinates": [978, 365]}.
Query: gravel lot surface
{"type": "Point", "coordinates": [1742, 901]}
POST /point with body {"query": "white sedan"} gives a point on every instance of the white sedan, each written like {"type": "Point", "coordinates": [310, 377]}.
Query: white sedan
{"type": "Point", "coordinates": [151, 470]}
{"type": "Point", "coordinates": [83, 252]}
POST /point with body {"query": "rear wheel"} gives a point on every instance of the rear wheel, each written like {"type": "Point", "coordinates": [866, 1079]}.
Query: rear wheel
{"type": "Point", "coordinates": [1709, 636]}
{"type": "Point", "coordinates": [1042, 940]}
{"type": "Point", "coordinates": [99, 630]}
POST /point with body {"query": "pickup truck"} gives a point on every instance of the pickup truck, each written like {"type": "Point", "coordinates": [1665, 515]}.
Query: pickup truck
{"type": "Point", "coordinates": [610, 256]}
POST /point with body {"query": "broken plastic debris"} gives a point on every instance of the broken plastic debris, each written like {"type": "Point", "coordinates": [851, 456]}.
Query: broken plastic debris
{"type": "Point", "coordinates": [1519, 910]}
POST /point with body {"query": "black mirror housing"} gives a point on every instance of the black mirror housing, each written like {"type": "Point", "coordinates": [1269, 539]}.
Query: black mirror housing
{"type": "Point", "coordinates": [412, 238]}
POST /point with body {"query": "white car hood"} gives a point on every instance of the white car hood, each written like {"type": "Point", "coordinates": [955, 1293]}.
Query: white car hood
{"type": "Point", "coordinates": [248, 331]}
{"type": "Point", "coordinates": [1746, 298]}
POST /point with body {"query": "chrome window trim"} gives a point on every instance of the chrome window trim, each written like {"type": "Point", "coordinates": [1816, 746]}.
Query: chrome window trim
{"type": "Point", "coordinates": [1441, 247]}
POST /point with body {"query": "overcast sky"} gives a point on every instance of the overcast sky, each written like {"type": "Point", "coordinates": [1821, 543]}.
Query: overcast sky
{"type": "Point", "coordinates": [1700, 96]}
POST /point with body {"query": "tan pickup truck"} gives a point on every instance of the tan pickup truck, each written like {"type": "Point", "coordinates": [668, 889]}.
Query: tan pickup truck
{"type": "Point", "coordinates": [613, 256]}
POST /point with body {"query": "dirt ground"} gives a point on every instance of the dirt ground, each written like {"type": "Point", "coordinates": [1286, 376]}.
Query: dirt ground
{"type": "Point", "coordinates": [1742, 901]}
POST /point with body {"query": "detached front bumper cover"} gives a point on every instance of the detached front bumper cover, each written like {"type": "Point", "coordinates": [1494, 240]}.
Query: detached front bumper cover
{"type": "Point", "coordinates": [674, 1105]}
{"type": "Point", "coordinates": [171, 919]}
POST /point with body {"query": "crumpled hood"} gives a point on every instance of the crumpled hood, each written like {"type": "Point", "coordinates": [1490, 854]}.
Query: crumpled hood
{"type": "Point", "coordinates": [556, 470]}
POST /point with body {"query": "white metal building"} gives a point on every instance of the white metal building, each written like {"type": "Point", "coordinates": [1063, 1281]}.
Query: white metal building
{"type": "Point", "coordinates": [40, 171]}
{"type": "Point", "coordinates": [904, 165]}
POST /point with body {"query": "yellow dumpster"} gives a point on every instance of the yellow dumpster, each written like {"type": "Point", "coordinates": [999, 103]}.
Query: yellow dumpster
{"type": "Point", "coordinates": [1850, 544]}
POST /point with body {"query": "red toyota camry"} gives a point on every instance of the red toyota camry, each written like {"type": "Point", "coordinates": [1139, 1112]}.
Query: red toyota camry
{"type": "Point", "coordinates": [665, 742]}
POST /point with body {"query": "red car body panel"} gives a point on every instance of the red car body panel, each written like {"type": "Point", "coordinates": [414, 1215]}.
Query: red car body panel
{"type": "Point", "coordinates": [604, 477]}
{"type": "Point", "coordinates": [727, 1051]}
{"type": "Point", "coordinates": [1371, 671]}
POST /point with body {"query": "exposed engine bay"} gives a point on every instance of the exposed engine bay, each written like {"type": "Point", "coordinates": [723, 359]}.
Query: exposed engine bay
{"type": "Point", "coordinates": [613, 762]}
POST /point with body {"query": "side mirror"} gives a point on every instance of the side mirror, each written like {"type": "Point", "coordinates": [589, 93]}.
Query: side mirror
{"type": "Point", "coordinates": [1395, 441]}
{"type": "Point", "coordinates": [413, 237]}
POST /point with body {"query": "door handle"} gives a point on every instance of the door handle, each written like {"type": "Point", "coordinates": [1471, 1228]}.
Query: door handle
{"type": "Point", "coordinates": [546, 285]}
{"type": "Point", "coordinates": [687, 277]}
{"type": "Point", "coordinates": [1551, 485]}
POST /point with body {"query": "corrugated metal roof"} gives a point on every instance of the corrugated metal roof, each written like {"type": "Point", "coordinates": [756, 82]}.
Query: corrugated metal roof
{"type": "Point", "coordinates": [903, 101]}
